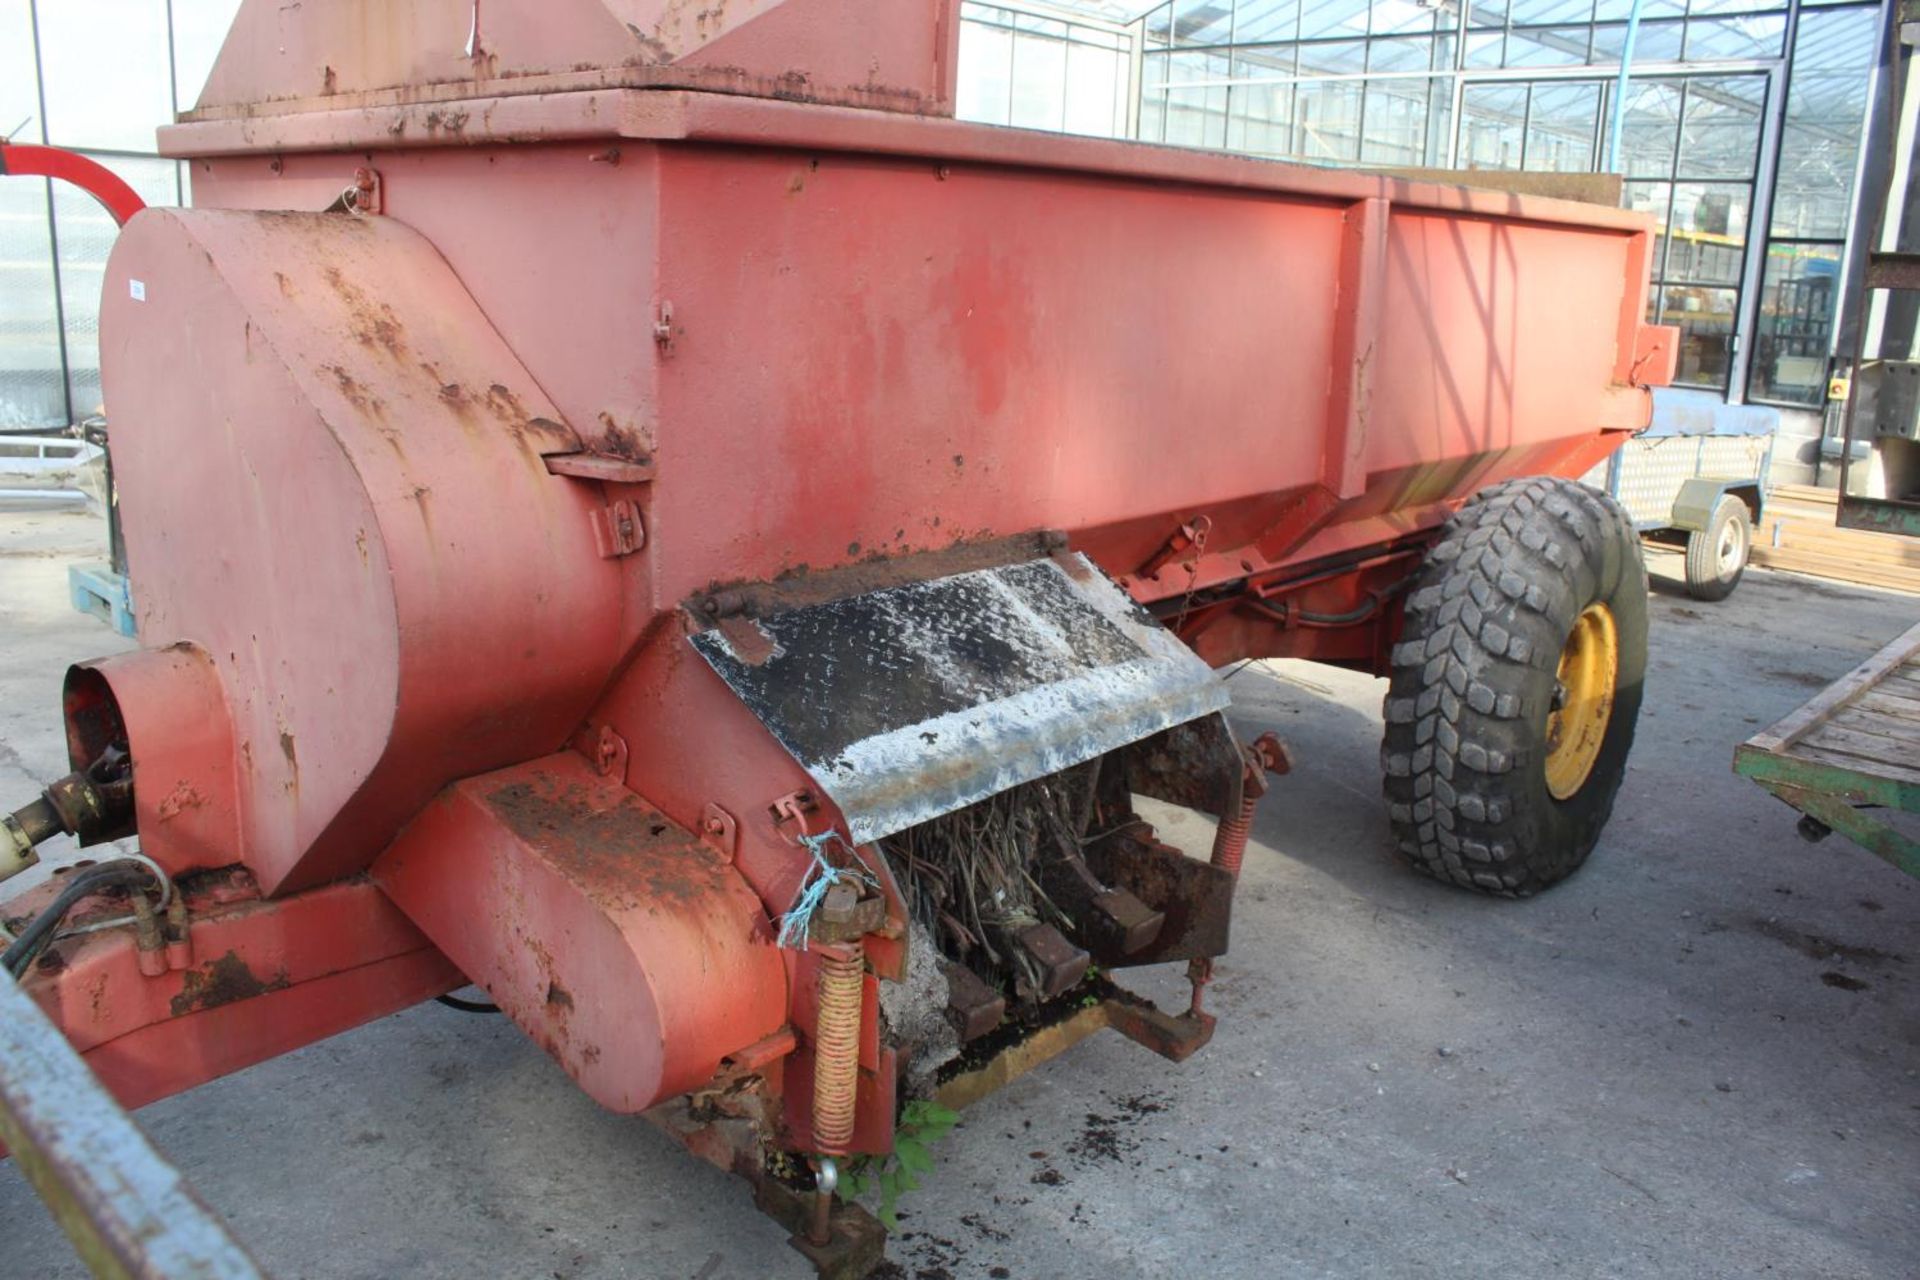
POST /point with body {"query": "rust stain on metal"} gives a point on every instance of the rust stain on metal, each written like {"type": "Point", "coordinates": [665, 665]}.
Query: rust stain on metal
{"type": "Point", "coordinates": [627, 856]}
{"type": "Point", "coordinates": [419, 494]}
{"type": "Point", "coordinates": [222, 982]}
{"type": "Point", "coordinates": [505, 404]}
{"type": "Point", "coordinates": [452, 120]}
{"type": "Point", "coordinates": [878, 569]}
{"type": "Point", "coordinates": [98, 1006]}
{"type": "Point", "coordinates": [181, 798]}
{"type": "Point", "coordinates": [362, 399]}
{"type": "Point", "coordinates": [653, 50]}
{"type": "Point", "coordinates": [620, 441]}
{"type": "Point", "coordinates": [292, 785]}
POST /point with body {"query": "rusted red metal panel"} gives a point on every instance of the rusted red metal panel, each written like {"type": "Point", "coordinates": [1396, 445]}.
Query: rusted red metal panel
{"type": "Point", "coordinates": [256, 979]}
{"type": "Point", "coordinates": [896, 56]}
{"type": "Point", "coordinates": [623, 944]}
{"type": "Point", "coordinates": [128, 1213]}
{"type": "Point", "coordinates": [348, 510]}
{"type": "Point", "coordinates": [900, 353]}
{"type": "Point", "coordinates": [186, 805]}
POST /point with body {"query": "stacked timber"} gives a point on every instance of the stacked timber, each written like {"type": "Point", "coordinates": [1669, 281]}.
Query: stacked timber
{"type": "Point", "coordinates": [1800, 536]}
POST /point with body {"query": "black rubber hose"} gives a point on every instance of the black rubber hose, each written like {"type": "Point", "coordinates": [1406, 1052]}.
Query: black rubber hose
{"type": "Point", "coordinates": [468, 1006]}
{"type": "Point", "coordinates": [119, 873]}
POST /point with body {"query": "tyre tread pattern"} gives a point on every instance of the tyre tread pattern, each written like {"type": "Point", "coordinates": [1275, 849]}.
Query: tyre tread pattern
{"type": "Point", "coordinates": [1510, 572]}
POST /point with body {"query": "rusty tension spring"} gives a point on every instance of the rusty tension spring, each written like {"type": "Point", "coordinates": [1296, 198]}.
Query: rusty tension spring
{"type": "Point", "coordinates": [836, 1050]}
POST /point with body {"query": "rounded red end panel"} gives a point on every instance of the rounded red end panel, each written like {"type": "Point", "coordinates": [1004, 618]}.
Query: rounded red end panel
{"type": "Point", "coordinates": [627, 947]}
{"type": "Point", "coordinates": [334, 485]}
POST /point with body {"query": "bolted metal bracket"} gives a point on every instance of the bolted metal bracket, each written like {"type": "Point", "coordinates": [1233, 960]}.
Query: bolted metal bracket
{"type": "Point", "coordinates": [792, 807]}
{"type": "Point", "coordinates": [618, 530]}
{"type": "Point", "coordinates": [844, 915]}
{"type": "Point", "coordinates": [1188, 541]}
{"type": "Point", "coordinates": [1266, 755]}
{"type": "Point", "coordinates": [605, 749]}
{"type": "Point", "coordinates": [718, 829]}
{"type": "Point", "coordinates": [365, 194]}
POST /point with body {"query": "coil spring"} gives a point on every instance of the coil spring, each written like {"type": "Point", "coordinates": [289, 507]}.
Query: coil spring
{"type": "Point", "coordinates": [836, 1047]}
{"type": "Point", "coordinates": [1230, 837]}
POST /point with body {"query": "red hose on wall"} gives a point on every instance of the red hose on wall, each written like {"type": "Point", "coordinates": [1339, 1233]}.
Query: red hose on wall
{"type": "Point", "coordinates": [92, 177]}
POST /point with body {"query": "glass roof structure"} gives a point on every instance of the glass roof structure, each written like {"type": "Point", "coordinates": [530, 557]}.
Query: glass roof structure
{"type": "Point", "coordinates": [1737, 126]}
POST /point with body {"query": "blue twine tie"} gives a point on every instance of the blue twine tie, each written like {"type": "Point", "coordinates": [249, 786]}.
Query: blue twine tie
{"type": "Point", "coordinates": [821, 876]}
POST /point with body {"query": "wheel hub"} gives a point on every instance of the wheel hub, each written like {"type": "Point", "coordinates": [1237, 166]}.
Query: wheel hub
{"type": "Point", "coordinates": [1731, 553]}
{"type": "Point", "coordinates": [1577, 726]}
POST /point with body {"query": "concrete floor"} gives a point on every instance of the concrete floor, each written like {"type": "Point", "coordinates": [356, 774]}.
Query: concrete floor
{"type": "Point", "coordinates": [1646, 1072]}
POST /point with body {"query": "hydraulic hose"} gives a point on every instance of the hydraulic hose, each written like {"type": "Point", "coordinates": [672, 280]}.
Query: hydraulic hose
{"type": "Point", "coordinates": [119, 873]}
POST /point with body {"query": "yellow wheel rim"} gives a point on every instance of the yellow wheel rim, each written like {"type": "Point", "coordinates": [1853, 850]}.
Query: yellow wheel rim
{"type": "Point", "coordinates": [1583, 703]}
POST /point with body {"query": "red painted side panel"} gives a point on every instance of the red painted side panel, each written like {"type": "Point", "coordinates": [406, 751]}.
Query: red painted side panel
{"type": "Point", "coordinates": [1498, 335]}
{"type": "Point", "coordinates": [628, 949]}
{"type": "Point", "coordinates": [871, 354]}
{"type": "Point", "coordinates": [900, 359]}
{"type": "Point", "coordinates": [263, 978]}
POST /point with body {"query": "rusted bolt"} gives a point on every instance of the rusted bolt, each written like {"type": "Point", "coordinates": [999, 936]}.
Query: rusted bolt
{"type": "Point", "coordinates": [725, 604]}
{"type": "Point", "coordinates": [610, 156]}
{"type": "Point", "coordinates": [940, 172]}
{"type": "Point", "coordinates": [276, 165]}
{"type": "Point", "coordinates": [1272, 754]}
{"type": "Point", "coordinates": [607, 750]}
{"type": "Point", "coordinates": [716, 827]}
{"type": "Point", "coordinates": [839, 904]}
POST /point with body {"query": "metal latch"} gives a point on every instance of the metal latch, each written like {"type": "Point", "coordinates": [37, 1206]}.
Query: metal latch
{"type": "Point", "coordinates": [617, 529]}
{"type": "Point", "coordinates": [600, 466]}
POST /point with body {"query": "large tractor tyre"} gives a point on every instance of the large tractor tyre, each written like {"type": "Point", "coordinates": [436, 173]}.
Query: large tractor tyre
{"type": "Point", "coordinates": [1717, 554]}
{"type": "Point", "coordinates": [1516, 684]}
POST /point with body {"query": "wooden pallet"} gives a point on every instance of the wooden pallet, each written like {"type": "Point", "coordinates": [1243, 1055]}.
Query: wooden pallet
{"type": "Point", "coordinates": [1800, 536]}
{"type": "Point", "coordinates": [1852, 750]}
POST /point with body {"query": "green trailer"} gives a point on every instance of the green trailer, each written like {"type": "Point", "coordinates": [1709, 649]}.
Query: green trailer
{"type": "Point", "coordinates": [1852, 755]}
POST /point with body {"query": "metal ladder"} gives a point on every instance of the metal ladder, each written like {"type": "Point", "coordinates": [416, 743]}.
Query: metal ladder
{"type": "Point", "coordinates": [1885, 272]}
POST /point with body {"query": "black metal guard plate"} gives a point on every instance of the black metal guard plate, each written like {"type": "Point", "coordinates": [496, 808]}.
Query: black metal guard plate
{"type": "Point", "coordinates": [913, 701]}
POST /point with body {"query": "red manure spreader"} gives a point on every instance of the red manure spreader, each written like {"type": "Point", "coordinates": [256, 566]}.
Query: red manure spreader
{"type": "Point", "coordinates": [632, 506]}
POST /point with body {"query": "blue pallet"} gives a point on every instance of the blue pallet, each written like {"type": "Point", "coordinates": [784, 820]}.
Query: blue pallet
{"type": "Point", "coordinates": [98, 590]}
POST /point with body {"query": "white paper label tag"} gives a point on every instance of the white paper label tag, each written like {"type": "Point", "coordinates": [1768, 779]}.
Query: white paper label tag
{"type": "Point", "coordinates": [137, 290]}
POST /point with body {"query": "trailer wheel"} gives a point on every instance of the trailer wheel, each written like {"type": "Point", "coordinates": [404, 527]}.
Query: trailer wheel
{"type": "Point", "coordinates": [1515, 687]}
{"type": "Point", "coordinates": [1717, 554]}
